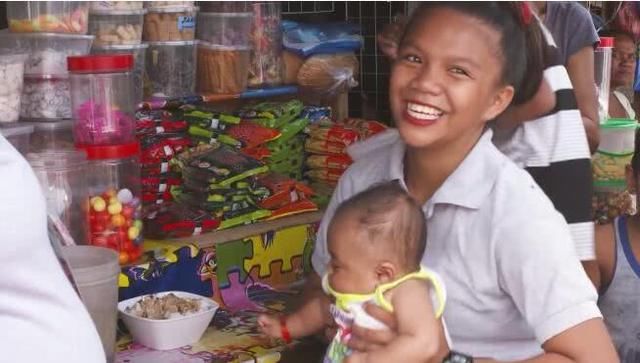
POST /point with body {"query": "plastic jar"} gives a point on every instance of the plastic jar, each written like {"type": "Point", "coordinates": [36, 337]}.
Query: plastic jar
{"type": "Point", "coordinates": [101, 99]}
{"type": "Point", "coordinates": [222, 69]}
{"type": "Point", "coordinates": [63, 178]}
{"type": "Point", "coordinates": [617, 143]}
{"type": "Point", "coordinates": [45, 98]}
{"type": "Point", "coordinates": [602, 69]}
{"type": "Point", "coordinates": [139, 51]}
{"type": "Point", "coordinates": [46, 52]}
{"type": "Point", "coordinates": [266, 67]}
{"type": "Point", "coordinates": [18, 135]}
{"type": "Point", "coordinates": [116, 5]}
{"type": "Point", "coordinates": [229, 29]}
{"type": "Point", "coordinates": [170, 69]}
{"type": "Point", "coordinates": [116, 27]}
{"type": "Point", "coordinates": [11, 81]}
{"type": "Point", "coordinates": [167, 4]}
{"type": "Point", "coordinates": [115, 212]}
{"type": "Point", "coordinates": [54, 135]}
{"type": "Point", "coordinates": [225, 6]}
{"type": "Point", "coordinates": [48, 16]}
{"type": "Point", "coordinates": [170, 24]}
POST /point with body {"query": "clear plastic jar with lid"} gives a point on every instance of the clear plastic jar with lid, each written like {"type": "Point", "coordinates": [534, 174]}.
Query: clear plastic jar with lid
{"type": "Point", "coordinates": [139, 51]}
{"type": "Point", "coordinates": [63, 178]}
{"type": "Point", "coordinates": [102, 102]}
{"type": "Point", "coordinates": [115, 212]}
{"type": "Point", "coordinates": [55, 135]}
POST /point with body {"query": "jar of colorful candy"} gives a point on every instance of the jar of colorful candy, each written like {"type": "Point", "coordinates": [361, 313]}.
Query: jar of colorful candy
{"type": "Point", "coordinates": [101, 99]}
{"type": "Point", "coordinates": [266, 41]}
{"type": "Point", "coordinates": [63, 178]}
{"type": "Point", "coordinates": [115, 219]}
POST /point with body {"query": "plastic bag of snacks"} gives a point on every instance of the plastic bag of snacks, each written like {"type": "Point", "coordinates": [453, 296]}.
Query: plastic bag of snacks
{"type": "Point", "coordinates": [251, 134]}
{"type": "Point", "coordinates": [609, 203]}
{"type": "Point", "coordinates": [163, 149]}
{"type": "Point", "coordinates": [284, 190]}
{"type": "Point", "coordinates": [324, 175]}
{"type": "Point", "coordinates": [218, 164]}
{"type": "Point", "coordinates": [156, 169]}
{"type": "Point", "coordinates": [301, 206]}
{"type": "Point", "coordinates": [334, 133]}
{"type": "Point", "coordinates": [320, 146]}
{"type": "Point", "coordinates": [273, 114]}
{"type": "Point", "coordinates": [365, 128]}
{"type": "Point", "coordinates": [153, 127]}
{"type": "Point", "coordinates": [155, 184]}
{"type": "Point", "coordinates": [209, 120]}
{"type": "Point", "coordinates": [340, 162]}
{"type": "Point", "coordinates": [174, 220]}
{"type": "Point", "coordinates": [206, 136]}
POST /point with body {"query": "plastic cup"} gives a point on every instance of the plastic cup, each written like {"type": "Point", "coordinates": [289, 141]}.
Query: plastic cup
{"type": "Point", "coordinates": [96, 271]}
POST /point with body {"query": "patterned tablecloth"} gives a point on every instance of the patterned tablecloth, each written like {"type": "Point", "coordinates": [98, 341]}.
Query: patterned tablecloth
{"type": "Point", "coordinates": [245, 277]}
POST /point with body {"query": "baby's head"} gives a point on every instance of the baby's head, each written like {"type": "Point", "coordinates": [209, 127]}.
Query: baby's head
{"type": "Point", "coordinates": [375, 237]}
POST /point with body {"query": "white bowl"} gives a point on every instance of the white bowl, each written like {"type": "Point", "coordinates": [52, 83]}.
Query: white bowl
{"type": "Point", "coordinates": [171, 333]}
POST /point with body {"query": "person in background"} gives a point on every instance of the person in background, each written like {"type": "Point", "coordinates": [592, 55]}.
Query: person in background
{"type": "Point", "coordinates": [617, 276]}
{"type": "Point", "coordinates": [623, 70]}
{"type": "Point", "coordinates": [575, 35]}
{"type": "Point", "coordinates": [42, 319]}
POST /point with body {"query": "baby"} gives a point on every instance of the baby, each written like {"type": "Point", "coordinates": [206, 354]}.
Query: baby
{"type": "Point", "coordinates": [376, 241]}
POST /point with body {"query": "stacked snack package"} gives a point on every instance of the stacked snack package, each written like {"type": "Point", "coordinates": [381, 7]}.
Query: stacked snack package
{"type": "Point", "coordinates": [283, 154]}
{"type": "Point", "coordinates": [219, 180]}
{"type": "Point", "coordinates": [327, 158]}
{"type": "Point", "coordinates": [162, 135]}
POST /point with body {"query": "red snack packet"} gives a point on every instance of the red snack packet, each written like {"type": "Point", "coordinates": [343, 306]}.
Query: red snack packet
{"type": "Point", "coordinates": [159, 184]}
{"type": "Point", "coordinates": [164, 150]}
{"type": "Point", "coordinates": [173, 220]}
{"type": "Point", "coordinates": [284, 190]}
{"type": "Point", "coordinates": [325, 147]}
{"type": "Point", "coordinates": [155, 169]}
{"type": "Point", "coordinates": [301, 206]}
{"type": "Point", "coordinates": [365, 128]}
{"type": "Point", "coordinates": [341, 161]}
{"type": "Point", "coordinates": [325, 175]}
{"type": "Point", "coordinates": [151, 127]}
{"type": "Point", "coordinates": [250, 134]}
{"type": "Point", "coordinates": [335, 133]}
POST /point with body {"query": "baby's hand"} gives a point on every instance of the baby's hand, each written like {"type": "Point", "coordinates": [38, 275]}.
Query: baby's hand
{"type": "Point", "coordinates": [270, 325]}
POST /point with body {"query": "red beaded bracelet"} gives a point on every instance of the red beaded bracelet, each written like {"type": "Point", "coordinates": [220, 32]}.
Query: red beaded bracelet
{"type": "Point", "coordinates": [284, 331]}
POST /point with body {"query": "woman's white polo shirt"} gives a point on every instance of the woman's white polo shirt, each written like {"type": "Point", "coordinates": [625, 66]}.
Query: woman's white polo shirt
{"type": "Point", "coordinates": [505, 254]}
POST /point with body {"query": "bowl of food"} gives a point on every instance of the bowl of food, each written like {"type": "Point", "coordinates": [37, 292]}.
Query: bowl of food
{"type": "Point", "coordinates": [167, 320]}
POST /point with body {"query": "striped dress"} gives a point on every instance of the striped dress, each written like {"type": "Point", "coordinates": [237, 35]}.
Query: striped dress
{"type": "Point", "coordinates": [555, 151]}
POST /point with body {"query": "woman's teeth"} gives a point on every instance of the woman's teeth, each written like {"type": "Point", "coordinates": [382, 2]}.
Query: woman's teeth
{"type": "Point", "coordinates": [422, 112]}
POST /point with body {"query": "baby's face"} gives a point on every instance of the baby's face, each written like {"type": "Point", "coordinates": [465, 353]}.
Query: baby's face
{"type": "Point", "coordinates": [353, 263]}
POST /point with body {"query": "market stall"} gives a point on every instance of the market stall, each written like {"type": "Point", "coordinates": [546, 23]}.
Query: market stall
{"type": "Point", "coordinates": [198, 143]}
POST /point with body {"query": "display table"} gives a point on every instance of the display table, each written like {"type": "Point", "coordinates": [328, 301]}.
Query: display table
{"type": "Point", "coordinates": [247, 270]}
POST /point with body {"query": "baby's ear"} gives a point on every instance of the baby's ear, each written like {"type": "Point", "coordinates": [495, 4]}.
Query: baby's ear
{"type": "Point", "coordinates": [385, 272]}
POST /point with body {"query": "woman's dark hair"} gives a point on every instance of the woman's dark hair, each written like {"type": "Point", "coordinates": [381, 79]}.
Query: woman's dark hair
{"type": "Point", "coordinates": [522, 42]}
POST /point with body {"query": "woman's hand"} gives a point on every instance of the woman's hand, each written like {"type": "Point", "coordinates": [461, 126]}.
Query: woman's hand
{"type": "Point", "coordinates": [364, 340]}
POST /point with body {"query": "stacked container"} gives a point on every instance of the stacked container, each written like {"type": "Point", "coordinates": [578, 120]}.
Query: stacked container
{"type": "Point", "coordinates": [48, 16]}
{"type": "Point", "coordinates": [62, 175]}
{"type": "Point", "coordinates": [223, 52]}
{"type": "Point", "coordinates": [104, 127]}
{"type": "Point", "coordinates": [170, 69]}
{"type": "Point", "coordinates": [115, 219]}
{"type": "Point", "coordinates": [266, 68]}
{"type": "Point", "coordinates": [170, 61]}
{"type": "Point", "coordinates": [18, 135]}
{"type": "Point", "coordinates": [602, 75]}
{"type": "Point", "coordinates": [116, 27]}
{"type": "Point", "coordinates": [45, 94]}
{"type": "Point", "coordinates": [139, 52]}
{"type": "Point", "coordinates": [102, 105]}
